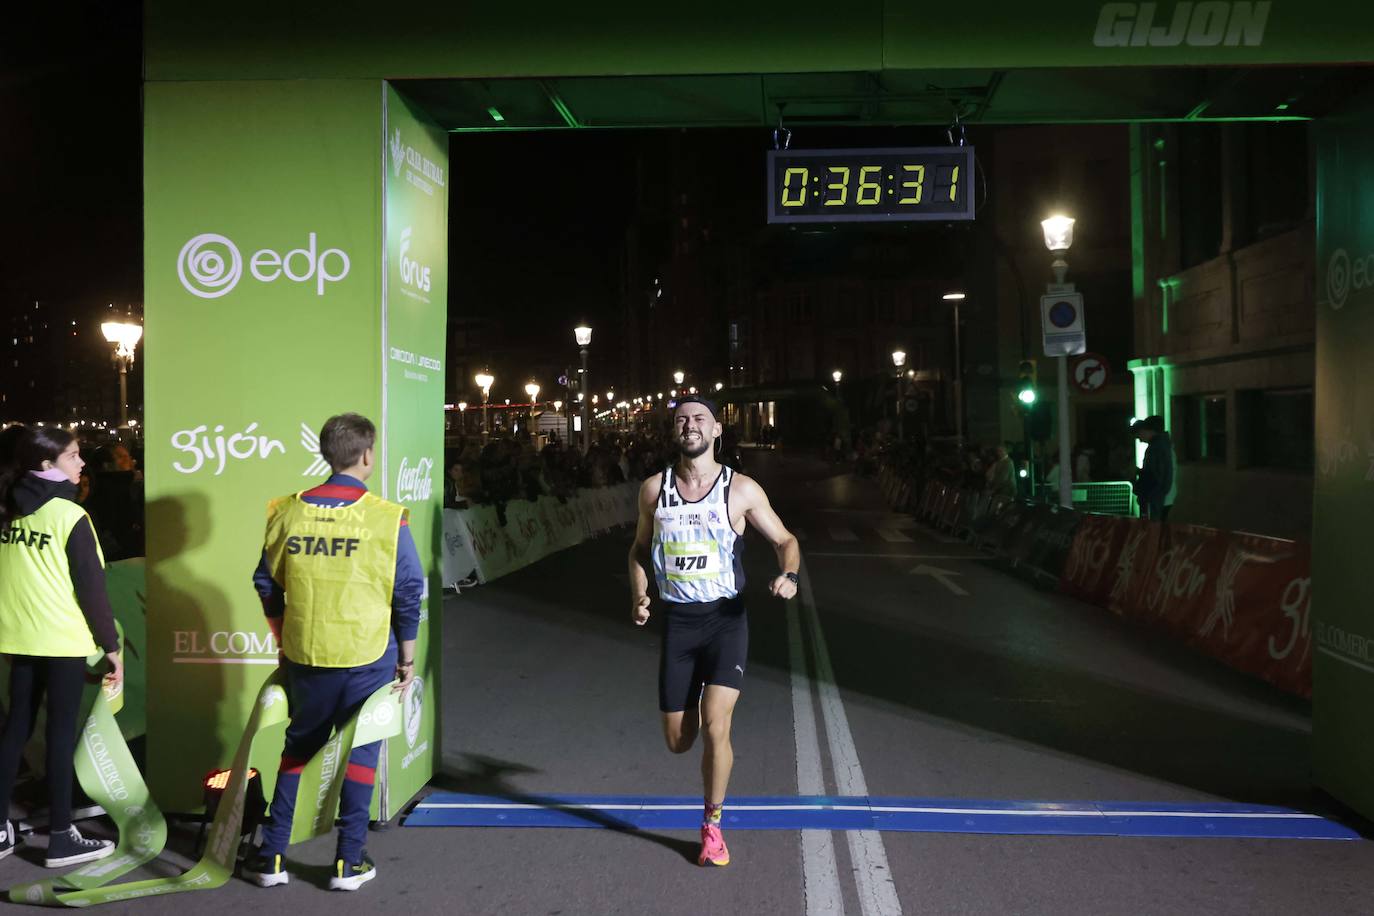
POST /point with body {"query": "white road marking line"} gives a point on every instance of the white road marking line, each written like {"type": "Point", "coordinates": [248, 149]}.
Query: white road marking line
{"type": "Point", "coordinates": [893, 536]}
{"type": "Point", "coordinates": [872, 875]}
{"type": "Point", "coordinates": [842, 534]}
{"type": "Point", "coordinates": [820, 875]}
{"type": "Point", "coordinates": [939, 575]}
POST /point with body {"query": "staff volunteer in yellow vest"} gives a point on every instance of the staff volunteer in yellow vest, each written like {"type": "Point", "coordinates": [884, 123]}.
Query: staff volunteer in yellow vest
{"type": "Point", "coordinates": [341, 584]}
{"type": "Point", "coordinates": [54, 612]}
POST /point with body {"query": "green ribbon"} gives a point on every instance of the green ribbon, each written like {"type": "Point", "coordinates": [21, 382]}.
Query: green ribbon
{"type": "Point", "coordinates": [107, 773]}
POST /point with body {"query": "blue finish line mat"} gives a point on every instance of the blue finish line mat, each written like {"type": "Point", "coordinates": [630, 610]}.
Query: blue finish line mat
{"type": "Point", "coordinates": [913, 815]}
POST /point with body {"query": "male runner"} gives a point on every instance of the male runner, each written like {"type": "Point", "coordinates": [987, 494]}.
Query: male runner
{"type": "Point", "coordinates": [691, 528]}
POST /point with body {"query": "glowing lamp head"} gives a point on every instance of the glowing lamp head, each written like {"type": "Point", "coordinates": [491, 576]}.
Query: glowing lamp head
{"type": "Point", "coordinates": [953, 297]}
{"type": "Point", "coordinates": [837, 375]}
{"type": "Point", "coordinates": [899, 358]}
{"type": "Point", "coordinates": [583, 333]}
{"type": "Point", "coordinates": [678, 376]}
{"type": "Point", "coordinates": [462, 406]}
{"type": "Point", "coordinates": [719, 385]}
{"type": "Point", "coordinates": [1058, 231]}
{"type": "Point", "coordinates": [124, 335]}
{"type": "Point", "coordinates": [484, 381]}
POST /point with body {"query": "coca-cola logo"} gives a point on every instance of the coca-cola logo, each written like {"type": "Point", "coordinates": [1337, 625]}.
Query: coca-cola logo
{"type": "Point", "coordinates": [414, 483]}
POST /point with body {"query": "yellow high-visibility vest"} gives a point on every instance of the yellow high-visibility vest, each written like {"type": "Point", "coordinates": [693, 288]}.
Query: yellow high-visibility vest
{"type": "Point", "coordinates": [338, 567]}
{"type": "Point", "coordinates": [39, 613]}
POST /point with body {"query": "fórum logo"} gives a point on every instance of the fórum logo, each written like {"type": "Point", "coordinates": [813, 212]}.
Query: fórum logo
{"type": "Point", "coordinates": [413, 273]}
{"type": "Point", "coordinates": [210, 265]}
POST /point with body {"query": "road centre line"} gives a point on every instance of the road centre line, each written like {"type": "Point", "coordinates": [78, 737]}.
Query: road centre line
{"type": "Point", "coordinates": [820, 874]}
{"type": "Point", "coordinates": [868, 854]}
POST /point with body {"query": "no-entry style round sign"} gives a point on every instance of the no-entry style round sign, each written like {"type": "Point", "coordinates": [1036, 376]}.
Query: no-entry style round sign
{"type": "Point", "coordinates": [1090, 372]}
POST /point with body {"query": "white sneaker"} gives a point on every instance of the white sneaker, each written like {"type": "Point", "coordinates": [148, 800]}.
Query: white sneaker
{"type": "Point", "coordinates": [9, 840]}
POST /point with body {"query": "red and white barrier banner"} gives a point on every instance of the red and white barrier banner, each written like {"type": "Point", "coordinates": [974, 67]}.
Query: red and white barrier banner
{"type": "Point", "coordinates": [1240, 598]}
{"type": "Point", "coordinates": [476, 541]}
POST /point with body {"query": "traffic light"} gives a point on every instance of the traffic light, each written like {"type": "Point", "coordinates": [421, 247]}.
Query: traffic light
{"type": "Point", "coordinates": [1026, 383]}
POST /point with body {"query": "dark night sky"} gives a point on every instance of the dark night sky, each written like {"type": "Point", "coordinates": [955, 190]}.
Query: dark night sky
{"type": "Point", "coordinates": [70, 164]}
{"type": "Point", "coordinates": [538, 220]}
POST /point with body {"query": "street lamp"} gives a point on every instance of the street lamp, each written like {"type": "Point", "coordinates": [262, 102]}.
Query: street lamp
{"type": "Point", "coordinates": [125, 335]}
{"type": "Point", "coordinates": [532, 389]}
{"type": "Point", "coordinates": [898, 361]}
{"type": "Point", "coordinates": [956, 298]}
{"type": "Point", "coordinates": [484, 381]}
{"type": "Point", "coordinates": [720, 385]}
{"type": "Point", "coordinates": [1058, 231]}
{"type": "Point", "coordinates": [463, 416]}
{"type": "Point", "coordinates": [678, 376]}
{"type": "Point", "coordinates": [583, 334]}
{"type": "Point", "coordinates": [837, 375]}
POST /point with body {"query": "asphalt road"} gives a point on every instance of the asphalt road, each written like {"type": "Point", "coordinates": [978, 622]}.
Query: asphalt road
{"type": "Point", "coordinates": [912, 668]}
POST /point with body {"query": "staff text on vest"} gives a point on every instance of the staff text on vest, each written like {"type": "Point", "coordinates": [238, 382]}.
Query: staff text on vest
{"type": "Point", "coordinates": [312, 546]}
{"type": "Point", "coordinates": [24, 537]}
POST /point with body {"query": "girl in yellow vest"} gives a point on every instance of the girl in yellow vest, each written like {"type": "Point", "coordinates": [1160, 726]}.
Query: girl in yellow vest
{"type": "Point", "coordinates": [53, 613]}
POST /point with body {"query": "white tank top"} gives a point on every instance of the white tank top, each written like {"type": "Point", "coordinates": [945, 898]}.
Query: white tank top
{"type": "Point", "coordinates": [696, 550]}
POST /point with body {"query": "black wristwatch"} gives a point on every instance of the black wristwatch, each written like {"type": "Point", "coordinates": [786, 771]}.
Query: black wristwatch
{"type": "Point", "coordinates": [792, 577]}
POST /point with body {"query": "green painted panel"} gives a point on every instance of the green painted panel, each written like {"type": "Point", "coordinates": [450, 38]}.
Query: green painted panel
{"type": "Point", "coordinates": [262, 40]}
{"type": "Point", "coordinates": [416, 312]}
{"type": "Point", "coordinates": [262, 253]}
{"type": "Point", "coordinates": [255, 39]}
{"type": "Point", "coordinates": [1342, 615]}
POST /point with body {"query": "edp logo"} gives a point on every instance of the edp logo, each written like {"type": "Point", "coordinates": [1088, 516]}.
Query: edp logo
{"type": "Point", "coordinates": [210, 265]}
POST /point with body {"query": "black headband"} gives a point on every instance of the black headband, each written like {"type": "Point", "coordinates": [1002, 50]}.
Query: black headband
{"type": "Point", "coordinates": [697, 399]}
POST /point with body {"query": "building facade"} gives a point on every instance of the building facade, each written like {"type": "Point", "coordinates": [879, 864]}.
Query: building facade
{"type": "Point", "coordinates": [1225, 317]}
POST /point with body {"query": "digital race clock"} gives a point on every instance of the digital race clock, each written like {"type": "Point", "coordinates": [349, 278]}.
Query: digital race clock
{"type": "Point", "coordinates": [870, 185]}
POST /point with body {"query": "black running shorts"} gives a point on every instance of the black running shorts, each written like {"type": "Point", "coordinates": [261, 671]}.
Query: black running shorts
{"type": "Point", "coordinates": [703, 643]}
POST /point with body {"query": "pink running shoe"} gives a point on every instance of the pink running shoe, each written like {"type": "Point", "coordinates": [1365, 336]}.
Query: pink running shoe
{"type": "Point", "coordinates": [713, 851]}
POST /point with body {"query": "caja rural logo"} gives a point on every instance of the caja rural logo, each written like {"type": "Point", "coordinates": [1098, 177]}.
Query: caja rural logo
{"type": "Point", "coordinates": [210, 265]}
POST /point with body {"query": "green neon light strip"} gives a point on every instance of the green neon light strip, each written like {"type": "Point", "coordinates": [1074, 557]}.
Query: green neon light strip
{"type": "Point", "coordinates": [674, 125]}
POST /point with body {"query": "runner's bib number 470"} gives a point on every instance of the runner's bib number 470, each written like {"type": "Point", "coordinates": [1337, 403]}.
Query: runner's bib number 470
{"type": "Point", "coordinates": [687, 560]}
